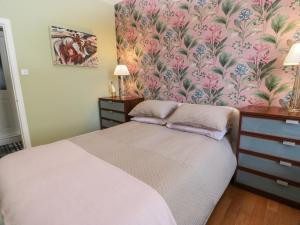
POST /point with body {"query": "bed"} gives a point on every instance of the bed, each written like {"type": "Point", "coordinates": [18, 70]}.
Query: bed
{"type": "Point", "coordinates": [189, 171]}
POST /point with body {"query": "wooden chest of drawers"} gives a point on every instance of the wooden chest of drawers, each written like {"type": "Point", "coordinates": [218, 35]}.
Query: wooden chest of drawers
{"type": "Point", "coordinates": [269, 153]}
{"type": "Point", "coordinates": [114, 110]}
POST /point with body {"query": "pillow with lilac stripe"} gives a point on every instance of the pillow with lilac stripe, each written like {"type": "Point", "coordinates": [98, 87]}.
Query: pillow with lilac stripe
{"type": "Point", "coordinates": [215, 134]}
{"type": "Point", "coordinates": [150, 120]}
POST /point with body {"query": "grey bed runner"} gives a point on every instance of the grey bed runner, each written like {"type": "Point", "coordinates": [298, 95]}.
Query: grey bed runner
{"type": "Point", "coordinates": [189, 171]}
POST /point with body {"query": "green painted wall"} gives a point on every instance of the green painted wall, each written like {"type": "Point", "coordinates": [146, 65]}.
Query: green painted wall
{"type": "Point", "coordinates": [61, 101]}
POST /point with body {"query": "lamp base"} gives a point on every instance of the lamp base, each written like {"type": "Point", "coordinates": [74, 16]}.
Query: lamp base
{"type": "Point", "coordinates": [122, 91]}
{"type": "Point", "coordinates": [295, 101]}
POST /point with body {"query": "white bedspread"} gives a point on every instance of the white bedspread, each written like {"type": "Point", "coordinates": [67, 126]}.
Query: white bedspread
{"type": "Point", "coordinates": [61, 184]}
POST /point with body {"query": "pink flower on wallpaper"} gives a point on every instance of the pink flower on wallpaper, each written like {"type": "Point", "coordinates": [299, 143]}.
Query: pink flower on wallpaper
{"type": "Point", "coordinates": [151, 7]}
{"type": "Point", "coordinates": [144, 41]}
{"type": "Point", "coordinates": [179, 98]}
{"type": "Point", "coordinates": [262, 2]}
{"type": "Point", "coordinates": [131, 35]}
{"type": "Point", "coordinates": [212, 82]}
{"type": "Point", "coordinates": [260, 47]}
{"type": "Point", "coordinates": [152, 83]}
{"type": "Point", "coordinates": [262, 52]}
{"type": "Point", "coordinates": [133, 68]}
{"type": "Point", "coordinates": [179, 64]}
{"type": "Point", "coordinates": [212, 77]}
{"type": "Point", "coordinates": [215, 33]}
{"type": "Point", "coordinates": [153, 47]}
{"type": "Point", "coordinates": [259, 2]}
{"type": "Point", "coordinates": [179, 59]}
{"type": "Point", "coordinates": [129, 2]}
{"type": "Point", "coordinates": [179, 20]}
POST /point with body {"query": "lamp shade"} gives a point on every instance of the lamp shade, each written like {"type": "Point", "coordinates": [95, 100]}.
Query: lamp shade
{"type": "Point", "coordinates": [121, 70]}
{"type": "Point", "coordinates": [293, 58]}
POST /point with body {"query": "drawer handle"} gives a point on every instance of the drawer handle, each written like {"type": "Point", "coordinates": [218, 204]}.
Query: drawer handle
{"type": "Point", "coordinates": [295, 122]}
{"type": "Point", "coordinates": [282, 183]}
{"type": "Point", "coordinates": [287, 164]}
{"type": "Point", "coordinates": [289, 143]}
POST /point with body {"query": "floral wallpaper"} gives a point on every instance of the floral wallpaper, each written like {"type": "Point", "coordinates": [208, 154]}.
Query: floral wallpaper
{"type": "Point", "coordinates": [223, 52]}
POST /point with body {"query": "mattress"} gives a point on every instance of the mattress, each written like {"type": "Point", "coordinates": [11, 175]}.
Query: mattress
{"type": "Point", "coordinates": [189, 171]}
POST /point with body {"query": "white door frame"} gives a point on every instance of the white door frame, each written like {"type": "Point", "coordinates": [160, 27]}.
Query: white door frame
{"type": "Point", "coordinates": [14, 71]}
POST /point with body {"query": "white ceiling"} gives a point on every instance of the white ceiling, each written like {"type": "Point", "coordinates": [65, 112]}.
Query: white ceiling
{"type": "Point", "coordinates": [112, 1]}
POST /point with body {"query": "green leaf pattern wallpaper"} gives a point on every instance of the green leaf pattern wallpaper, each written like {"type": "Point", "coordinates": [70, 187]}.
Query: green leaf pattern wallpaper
{"type": "Point", "coordinates": [221, 52]}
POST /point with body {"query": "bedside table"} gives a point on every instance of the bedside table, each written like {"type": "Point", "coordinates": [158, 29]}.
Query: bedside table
{"type": "Point", "coordinates": [114, 110]}
{"type": "Point", "coordinates": [269, 153]}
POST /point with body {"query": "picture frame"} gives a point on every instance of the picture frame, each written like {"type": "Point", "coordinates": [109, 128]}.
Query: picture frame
{"type": "Point", "coordinates": [73, 48]}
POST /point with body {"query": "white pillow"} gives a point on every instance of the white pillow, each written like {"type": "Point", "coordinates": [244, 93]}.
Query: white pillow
{"type": "Point", "coordinates": [150, 120]}
{"type": "Point", "coordinates": [215, 134]}
{"type": "Point", "coordinates": [154, 108]}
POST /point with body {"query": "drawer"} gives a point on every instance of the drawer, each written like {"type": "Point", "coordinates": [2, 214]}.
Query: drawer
{"type": "Point", "coordinates": [117, 106]}
{"type": "Point", "coordinates": [278, 169]}
{"type": "Point", "coordinates": [289, 192]}
{"type": "Point", "coordinates": [271, 127]}
{"type": "Point", "coordinates": [109, 123]}
{"type": "Point", "coordinates": [283, 149]}
{"type": "Point", "coordinates": [113, 115]}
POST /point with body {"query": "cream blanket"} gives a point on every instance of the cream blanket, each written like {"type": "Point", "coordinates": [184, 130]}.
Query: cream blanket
{"type": "Point", "coordinates": [61, 184]}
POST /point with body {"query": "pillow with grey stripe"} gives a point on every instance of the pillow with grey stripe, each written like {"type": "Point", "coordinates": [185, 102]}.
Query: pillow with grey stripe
{"type": "Point", "coordinates": [154, 108]}
{"type": "Point", "coordinates": [202, 116]}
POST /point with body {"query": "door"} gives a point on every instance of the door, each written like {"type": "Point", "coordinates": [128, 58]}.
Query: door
{"type": "Point", "coordinates": [9, 125]}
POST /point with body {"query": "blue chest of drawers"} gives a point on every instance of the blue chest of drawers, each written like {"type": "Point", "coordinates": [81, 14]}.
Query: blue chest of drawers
{"type": "Point", "coordinates": [114, 110]}
{"type": "Point", "coordinates": [269, 153]}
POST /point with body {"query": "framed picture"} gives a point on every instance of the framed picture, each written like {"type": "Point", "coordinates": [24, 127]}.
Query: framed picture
{"type": "Point", "coordinates": [75, 48]}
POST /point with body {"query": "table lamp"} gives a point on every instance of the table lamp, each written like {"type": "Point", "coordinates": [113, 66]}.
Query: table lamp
{"type": "Point", "coordinates": [293, 59]}
{"type": "Point", "coordinates": [121, 71]}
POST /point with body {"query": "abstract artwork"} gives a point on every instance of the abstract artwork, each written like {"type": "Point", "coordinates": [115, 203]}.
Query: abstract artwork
{"type": "Point", "coordinates": [70, 47]}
